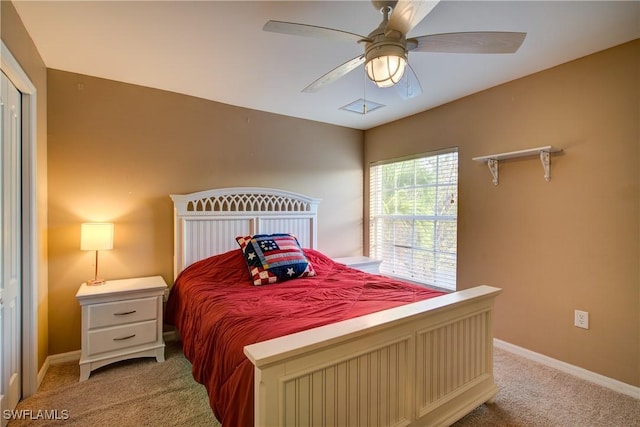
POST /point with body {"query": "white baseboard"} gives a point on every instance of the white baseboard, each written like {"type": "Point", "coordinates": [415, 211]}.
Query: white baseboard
{"type": "Point", "coordinates": [169, 336]}
{"type": "Point", "coordinates": [56, 359]}
{"type": "Point", "coordinates": [74, 356]}
{"type": "Point", "coordinates": [576, 371]}
{"type": "Point", "coordinates": [42, 372]}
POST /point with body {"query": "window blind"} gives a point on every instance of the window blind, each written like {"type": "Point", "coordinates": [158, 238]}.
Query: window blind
{"type": "Point", "coordinates": [414, 218]}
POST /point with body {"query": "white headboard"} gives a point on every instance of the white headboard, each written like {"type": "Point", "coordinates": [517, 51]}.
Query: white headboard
{"type": "Point", "coordinates": [206, 223]}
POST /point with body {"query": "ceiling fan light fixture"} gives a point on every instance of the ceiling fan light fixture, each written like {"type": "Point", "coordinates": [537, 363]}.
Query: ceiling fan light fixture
{"type": "Point", "coordinates": [387, 67]}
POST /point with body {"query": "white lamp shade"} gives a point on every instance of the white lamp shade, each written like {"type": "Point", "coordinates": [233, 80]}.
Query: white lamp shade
{"type": "Point", "coordinates": [96, 236]}
{"type": "Point", "coordinates": [386, 71]}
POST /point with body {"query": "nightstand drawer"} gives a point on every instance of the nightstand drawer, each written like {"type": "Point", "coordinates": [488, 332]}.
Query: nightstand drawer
{"type": "Point", "coordinates": [121, 312]}
{"type": "Point", "coordinates": [119, 337]}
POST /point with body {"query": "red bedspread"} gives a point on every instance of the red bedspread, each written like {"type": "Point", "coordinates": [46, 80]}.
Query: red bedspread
{"type": "Point", "coordinates": [217, 312]}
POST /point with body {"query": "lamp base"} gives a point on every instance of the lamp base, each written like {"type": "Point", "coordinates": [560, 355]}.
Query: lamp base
{"type": "Point", "coordinates": [96, 282]}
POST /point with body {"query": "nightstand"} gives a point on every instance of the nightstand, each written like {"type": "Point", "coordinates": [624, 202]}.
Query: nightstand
{"type": "Point", "coordinates": [364, 263]}
{"type": "Point", "coordinates": [121, 319]}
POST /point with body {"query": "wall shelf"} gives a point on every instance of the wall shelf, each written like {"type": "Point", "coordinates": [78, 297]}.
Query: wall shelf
{"type": "Point", "coordinates": [544, 153]}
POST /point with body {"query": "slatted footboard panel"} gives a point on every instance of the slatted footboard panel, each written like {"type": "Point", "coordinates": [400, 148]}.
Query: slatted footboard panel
{"type": "Point", "coordinates": [428, 363]}
{"type": "Point", "coordinates": [342, 393]}
{"type": "Point", "coordinates": [453, 358]}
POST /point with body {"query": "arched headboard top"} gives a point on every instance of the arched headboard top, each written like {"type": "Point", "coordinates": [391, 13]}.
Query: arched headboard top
{"type": "Point", "coordinates": [243, 199]}
{"type": "Point", "coordinates": [207, 222]}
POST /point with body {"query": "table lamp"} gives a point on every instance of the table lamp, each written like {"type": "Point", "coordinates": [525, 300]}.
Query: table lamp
{"type": "Point", "coordinates": [96, 236]}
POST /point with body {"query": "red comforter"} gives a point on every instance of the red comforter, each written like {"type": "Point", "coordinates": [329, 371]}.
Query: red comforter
{"type": "Point", "coordinates": [217, 312]}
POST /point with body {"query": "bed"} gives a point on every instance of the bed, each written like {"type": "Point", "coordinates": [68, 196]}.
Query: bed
{"type": "Point", "coordinates": [416, 357]}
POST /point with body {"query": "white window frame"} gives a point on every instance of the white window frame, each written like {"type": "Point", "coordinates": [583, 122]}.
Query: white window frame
{"type": "Point", "coordinates": [398, 237]}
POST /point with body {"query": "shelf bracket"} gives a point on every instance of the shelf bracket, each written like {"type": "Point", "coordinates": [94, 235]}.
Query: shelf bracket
{"type": "Point", "coordinates": [493, 168]}
{"type": "Point", "coordinates": [544, 158]}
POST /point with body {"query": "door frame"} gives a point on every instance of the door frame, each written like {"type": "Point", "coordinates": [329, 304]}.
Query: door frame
{"type": "Point", "coordinates": [30, 241]}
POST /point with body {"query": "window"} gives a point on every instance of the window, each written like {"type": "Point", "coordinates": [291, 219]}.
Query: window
{"type": "Point", "coordinates": [414, 217]}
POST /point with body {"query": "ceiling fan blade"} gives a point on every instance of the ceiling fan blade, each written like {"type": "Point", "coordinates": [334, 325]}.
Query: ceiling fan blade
{"type": "Point", "coordinates": [335, 74]}
{"type": "Point", "coordinates": [311, 31]}
{"type": "Point", "coordinates": [408, 13]}
{"type": "Point", "coordinates": [409, 86]}
{"type": "Point", "coordinates": [472, 42]}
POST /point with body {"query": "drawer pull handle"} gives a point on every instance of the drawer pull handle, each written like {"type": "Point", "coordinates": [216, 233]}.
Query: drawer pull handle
{"type": "Point", "coordinates": [124, 338]}
{"type": "Point", "coordinates": [124, 313]}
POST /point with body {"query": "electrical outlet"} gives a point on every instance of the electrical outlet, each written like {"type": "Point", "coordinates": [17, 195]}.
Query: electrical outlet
{"type": "Point", "coordinates": [581, 319]}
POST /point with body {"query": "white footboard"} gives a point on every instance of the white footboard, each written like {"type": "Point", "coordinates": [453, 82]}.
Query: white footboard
{"type": "Point", "coordinates": [426, 363]}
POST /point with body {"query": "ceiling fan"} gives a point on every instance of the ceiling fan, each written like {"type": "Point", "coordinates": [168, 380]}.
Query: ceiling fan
{"type": "Point", "coordinates": [386, 48]}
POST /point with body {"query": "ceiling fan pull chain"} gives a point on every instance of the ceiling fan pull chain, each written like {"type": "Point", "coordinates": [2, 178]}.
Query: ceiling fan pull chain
{"type": "Point", "coordinates": [364, 94]}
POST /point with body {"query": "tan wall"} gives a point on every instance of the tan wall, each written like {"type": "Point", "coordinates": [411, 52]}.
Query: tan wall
{"type": "Point", "coordinates": [553, 247]}
{"type": "Point", "coordinates": [116, 152]}
{"type": "Point", "coordinates": [571, 243]}
{"type": "Point", "coordinates": [17, 40]}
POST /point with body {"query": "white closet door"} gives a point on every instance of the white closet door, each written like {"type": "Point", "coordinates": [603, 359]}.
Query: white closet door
{"type": "Point", "coordinates": [10, 247]}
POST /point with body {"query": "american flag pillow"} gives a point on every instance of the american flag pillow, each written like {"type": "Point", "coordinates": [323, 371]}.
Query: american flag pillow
{"type": "Point", "coordinates": [274, 258]}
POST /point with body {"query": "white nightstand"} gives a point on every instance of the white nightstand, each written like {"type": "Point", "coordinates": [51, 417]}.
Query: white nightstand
{"type": "Point", "coordinates": [363, 263]}
{"type": "Point", "coordinates": [121, 319]}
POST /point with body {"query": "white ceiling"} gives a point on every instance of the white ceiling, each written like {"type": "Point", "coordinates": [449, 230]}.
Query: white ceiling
{"type": "Point", "coordinates": [217, 50]}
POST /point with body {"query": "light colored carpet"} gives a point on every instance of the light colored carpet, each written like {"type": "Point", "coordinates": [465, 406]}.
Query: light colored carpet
{"type": "Point", "coordinates": [139, 392]}
{"type": "Point", "coordinates": [534, 395]}
{"type": "Point", "coordinates": [146, 393]}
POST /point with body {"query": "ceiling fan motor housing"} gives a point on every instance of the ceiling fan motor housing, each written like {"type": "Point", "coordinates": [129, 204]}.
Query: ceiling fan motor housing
{"type": "Point", "coordinates": [385, 51]}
